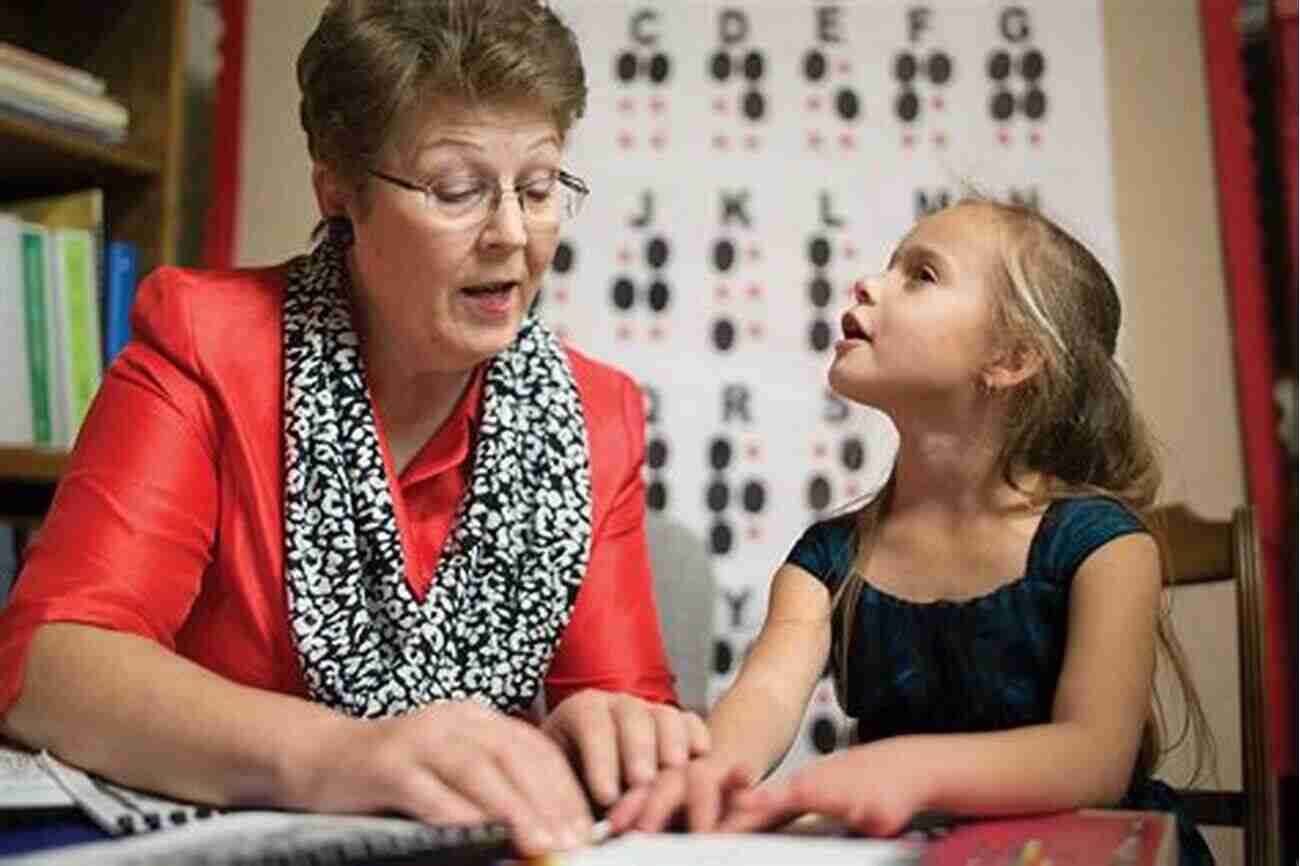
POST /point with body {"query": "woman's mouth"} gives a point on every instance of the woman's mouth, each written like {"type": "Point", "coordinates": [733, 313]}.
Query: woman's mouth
{"type": "Point", "coordinates": [492, 299]}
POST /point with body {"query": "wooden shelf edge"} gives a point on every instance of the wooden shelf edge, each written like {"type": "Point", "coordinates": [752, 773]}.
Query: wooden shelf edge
{"type": "Point", "coordinates": [31, 464]}
{"type": "Point", "coordinates": [83, 147]}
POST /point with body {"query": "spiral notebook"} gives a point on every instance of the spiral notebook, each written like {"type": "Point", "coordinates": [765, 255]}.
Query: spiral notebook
{"type": "Point", "coordinates": [148, 829]}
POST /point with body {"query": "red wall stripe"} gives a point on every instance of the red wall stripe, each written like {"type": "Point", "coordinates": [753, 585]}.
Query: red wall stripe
{"type": "Point", "coordinates": [219, 224]}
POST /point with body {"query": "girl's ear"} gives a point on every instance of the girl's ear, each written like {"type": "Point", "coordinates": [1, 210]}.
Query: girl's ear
{"type": "Point", "coordinates": [331, 197]}
{"type": "Point", "coordinates": [1011, 367]}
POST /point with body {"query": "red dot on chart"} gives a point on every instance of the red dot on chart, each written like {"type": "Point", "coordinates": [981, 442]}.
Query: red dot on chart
{"type": "Point", "coordinates": [1035, 139]}
{"type": "Point", "coordinates": [814, 103]}
{"type": "Point", "coordinates": [851, 489]}
{"type": "Point", "coordinates": [814, 140]}
{"type": "Point", "coordinates": [561, 296]}
{"type": "Point", "coordinates": [754, 532]}
{"type": "Point", "coordinates": [656, 104]}
{"type": "Point", "coordinates": [849, 252]}
{"type": "Point", "coordinates": [1003, 137]}
{"type": "Point", "coordinates": [755, 291]}
{"type": "Point", "coordinates": [755, 330]}
{"type": "Point", "coordinates": [846, 140]}
{"type": "Point", "coordinates": [720, 104]}
{"type": "Point", "coordinates": [624, 332]}
{"type": "Point", "coordinates": [721, 142]}
{"type": "Point", "coordinates": [656, 333]}
{"type": "Point", "coordinates": [753, 451]}
{"type": "Point", "coordinates": [937, 102]}
{"type": "Point", "coordinates": [624, 255]}
{"type": "Point", "coordinates": [751, 142]}
{"type": "Point", "coordinates": [626, 105]}
{"type": "Point", "coordinates": [844, 67]}
{"type": "Point", "coordinates": [908, 139]}
{"type": "Point", "coordinates": [755, 254]}
{"type": "Point", "coordinates": [819, 450]}
{"type": "Point", "coordinates": [940, 139]}
{"type": "Point", "coordinates": [722, 293]}
{"type": "Point", "coordinates": [625, 140]}
{"type": "Point", "coordinates": [658, 140]}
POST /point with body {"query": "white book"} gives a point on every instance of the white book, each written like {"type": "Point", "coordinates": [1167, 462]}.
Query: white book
{"type": "Point", "coordinates": [15, 380]}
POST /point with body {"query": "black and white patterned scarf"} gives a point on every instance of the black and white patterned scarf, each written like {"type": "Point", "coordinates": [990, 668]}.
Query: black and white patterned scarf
{"type": "Point", "coordinates": [510, 570]}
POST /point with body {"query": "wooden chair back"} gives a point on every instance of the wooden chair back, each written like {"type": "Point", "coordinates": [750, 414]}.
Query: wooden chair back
{"type": "Point", "coordinates": [1205, 551]}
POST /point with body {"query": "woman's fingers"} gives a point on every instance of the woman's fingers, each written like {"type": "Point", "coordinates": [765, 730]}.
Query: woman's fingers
{"type": "Point", "coordinates": [637, 735]}
{"type": "Point", "coordinates": [759, 808]}
{"type": "Point", "coordinates": [709, 792]}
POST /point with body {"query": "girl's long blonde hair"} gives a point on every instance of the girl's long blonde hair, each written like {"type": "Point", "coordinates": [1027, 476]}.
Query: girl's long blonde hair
{"type": "Point", "coordinates": [1074, 423]}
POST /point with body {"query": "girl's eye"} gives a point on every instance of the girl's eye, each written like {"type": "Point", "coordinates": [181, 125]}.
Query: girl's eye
{"type": "Point", "coordinates": [927, 274]}
{"type": "Point", "coordinates": [539, 188]}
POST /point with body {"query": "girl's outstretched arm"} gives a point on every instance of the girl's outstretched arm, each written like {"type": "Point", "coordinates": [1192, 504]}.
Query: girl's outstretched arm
{"type": "Point", "coordinates": [1084, 756]}
{"type": "Point", "coordinates": [755, 721]}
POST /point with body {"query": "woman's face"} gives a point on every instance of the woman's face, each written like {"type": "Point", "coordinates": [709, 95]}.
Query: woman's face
{"type": "Point", "coordinates": [451, 292]}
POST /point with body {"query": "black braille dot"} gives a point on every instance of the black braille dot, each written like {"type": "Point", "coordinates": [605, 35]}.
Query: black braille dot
{"type": "Point", "coordinates": [624, 293]}
{"type": "Point", "coordinates": [722, 657]}
{"type": "Point", "coordinates": [720, 66]}
{"type": "Point", "coordinates": [907, 106]}
{"type": "Point", "coordinates": [724, 255]}
{"type": "Point", "coordinates": [753, 66]}
{"type": "Point", "coordinates": [1002, 105]}
{"type": "Point", "coordinates": [753, 105]}
{"type": "Point", "coordinates": [720, 538]}
{"type": "Point", "coordinates": [846, 103]}
{"type": "Point", "coordinates": [814, 65]}
{"type": "Point", "coordinates": [819, 291]}
{"type": "Point", "coordinates": [563, 260]}
{"type": "Point", "coordinates": [656, 495]}
{"type": "Point", "coordinates": [717, 496]}
{"type": "Point", "coordinates": [999, 65]}
{"type": "Point", "coordinates": [1032, 64]}
{"type": "Point", "coordinates": [625, 66]}
{"type": "Point", "coordinates": [819, 335]}
{"type": "Point", "coordinates": [656, 252]}
{"type": "Point", "coordinates": [724, 334]}
{"type": "Point", "coordinates": [719, 454]}
{"type": "Point", "coordinates": [819, 251]}
{"type": "Point", "coordinates": [905, 67]}
{"type": "Point", "coordinates": [659, 296]}
{"type": "Point", "coordinates": [819, 493]}
{"type": "Point", "coordinates": [656, 453]}
{"type": "Point", "coordinates": [753, 496]}
{"type": "Point", "coordinates": [940, 67]}
{"type": "Point", "coordinates": [659, 68]}
{"type": "Point", "coordinates": [1035, 104]}
{"type": "Point", "coordinates": [823, 735]}
{"type": "Point", "coordinates": [852, 454]}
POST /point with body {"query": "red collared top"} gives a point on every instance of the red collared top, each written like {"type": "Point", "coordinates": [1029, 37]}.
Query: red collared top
{"type": "Point", "coordinates": [168, 520]}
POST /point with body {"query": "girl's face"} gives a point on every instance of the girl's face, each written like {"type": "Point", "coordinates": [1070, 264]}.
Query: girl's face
{"type": "Point", "coordinates": [920, 334]}
{"type": "Point", "coordinates": [451, 292]}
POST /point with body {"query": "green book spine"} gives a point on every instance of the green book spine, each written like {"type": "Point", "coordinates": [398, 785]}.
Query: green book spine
{"type": "Point", "coordinates": [81, 311]}
{"type": "Point", "coordinates": [38, 345]}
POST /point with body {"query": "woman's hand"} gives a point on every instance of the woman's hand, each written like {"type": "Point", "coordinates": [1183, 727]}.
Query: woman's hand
{"type": "Point", "coordinates": [864, 788]}
{"type": "Point", "coordinates": [450, 763]}
{"type": "Point", "coordinates": [701, 788]}
{"type": "Point", "coordinates": [621, 741]}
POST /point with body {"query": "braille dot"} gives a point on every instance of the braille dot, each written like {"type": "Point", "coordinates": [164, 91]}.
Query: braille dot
{"type": "Point", "coordinates": [1035, 104]}
{"type": "Point", "coordinates": [999, 65]}
{"type": "Point", "coordinates": [717, 496]}
{"type": "Point", "coordinates": [753, 66]}
{"type": "Point", "coordinates": [720, 538]}
{"type": "Point", "coordinates": [724, 334]}
{"type": "Point", "coordinates": [563, 260]}
{"type": "Point", "coordinates": [720, 66]}
{"type": "Point", "coordinates": [719, 454]}
{"type": "Point", "coordinates": [624, 293]}
{"type": "Point", "coordinates": [659, 68]}
{"type": "Point", "coordinates": [753, 105]}
{"type": "Point", "coordinates": [656, 495]}
{"type": "Point", "coordinates": [846, 103]}
{"type": "Point", "coordinates": [625, 66]}
{"type": "Point", "coordinates": [814, 65]}
{"type": "Point", "coordinates": [819, 335]}
{"type": "Point", "coordinates": [1002, 105]}
{"type": "Point", "coordinates": [819, 493]}
{"type": "Point", "coordinates": [823, 735]}
{"type": "Point", "coordinates": [1032, 64]}
{"type": "Point", "coordinates": [656, 453]}
{"type": "Point", "coordinates": [940, 67]}
{"type": "Point", "coordinates": [905, 67]}
{"type": "Point", "coordinates": [656, 252]}
{"type": "Point", "coordinates": [724, 255]}
{"type": "Point", "coordinates": [819, 251]}
{"type": "Point", "coordinates": [722, 657]}
{"type": "Point", "coordinates": [753, 497]}
{"type": "Point", "coordinates": [907, 106]}
{"type": "Point", "coordinates": [659, 296]}
{"type": "Point", "coordinates": [819, 291]}
{"type": "Point", "coordinates": [852, 454]}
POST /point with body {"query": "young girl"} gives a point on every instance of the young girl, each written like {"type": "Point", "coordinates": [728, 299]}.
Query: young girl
{"type": "Point", "coordinates": [993, 614]}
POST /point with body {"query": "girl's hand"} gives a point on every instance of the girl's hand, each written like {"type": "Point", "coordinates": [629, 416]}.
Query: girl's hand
{"type": "Point", "coordinates": [701, 788]}
{"type": "Point", "coordinates": [861, 787]}
{"type": "Point", "coordinates": [621, 741]}
{"type": "Point", "coordinates": [451, 763]}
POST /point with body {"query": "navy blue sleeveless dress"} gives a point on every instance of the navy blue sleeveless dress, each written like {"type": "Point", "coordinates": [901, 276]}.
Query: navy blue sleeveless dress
{"type": "Point", "coordinates": [987, 663]}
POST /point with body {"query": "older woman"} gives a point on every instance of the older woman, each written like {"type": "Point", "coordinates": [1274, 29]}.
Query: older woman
{"type": "Point", "coordinates": [332, 526]}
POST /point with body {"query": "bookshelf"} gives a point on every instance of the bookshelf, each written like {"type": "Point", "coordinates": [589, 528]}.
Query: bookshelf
{"type": "Point", "coordinates": [138, 48]}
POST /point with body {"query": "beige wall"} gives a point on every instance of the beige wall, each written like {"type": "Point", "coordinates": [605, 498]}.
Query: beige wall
{"type": "Point", "coordinates": [1176, 340]}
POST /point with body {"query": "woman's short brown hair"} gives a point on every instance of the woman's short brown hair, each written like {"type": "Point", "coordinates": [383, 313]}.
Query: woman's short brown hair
{"type": "Point", "coordinates": [372, 64]}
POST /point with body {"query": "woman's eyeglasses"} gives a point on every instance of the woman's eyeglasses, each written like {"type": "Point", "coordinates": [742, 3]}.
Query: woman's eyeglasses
{"type": "Point", "coordinates": [468, 201]}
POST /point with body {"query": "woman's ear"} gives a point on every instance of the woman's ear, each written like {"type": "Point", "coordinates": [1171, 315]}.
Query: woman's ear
{"type": "Point", "coordinates": [331, 197]}
{"type": "Point", "coordinates": [1011, 367]}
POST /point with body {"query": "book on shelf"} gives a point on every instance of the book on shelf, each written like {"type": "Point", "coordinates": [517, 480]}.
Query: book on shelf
{"type": "Point", "coordinates": [69, 227]}
{"type": "Point", "coordinates": [39, 64]}
{"type": "Point", "coordinates": [41, 96]}
{"type": "Point", "coordinates": [121, 263]}
{"type": "Point", "coordinates": [16, 428]}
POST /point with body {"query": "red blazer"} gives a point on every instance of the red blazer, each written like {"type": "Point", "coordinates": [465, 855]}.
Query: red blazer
{"type": "Point", "coordinates": [168, 521]}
